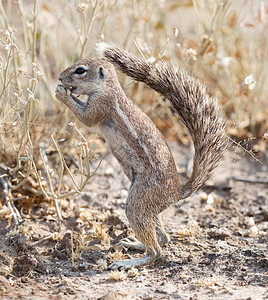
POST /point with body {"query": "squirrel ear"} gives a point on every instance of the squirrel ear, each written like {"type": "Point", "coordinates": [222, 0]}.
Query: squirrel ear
{"type": "Point", "coordinates": [101, 73]}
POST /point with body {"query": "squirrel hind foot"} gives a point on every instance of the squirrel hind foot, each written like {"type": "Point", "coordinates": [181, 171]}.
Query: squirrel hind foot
{"type": "Point", "coordinates": [131, 243]}
{"type": "Point", "coordinates": [127, 264]}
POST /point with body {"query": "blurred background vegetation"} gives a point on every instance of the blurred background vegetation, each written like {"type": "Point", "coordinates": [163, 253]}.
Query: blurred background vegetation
{"type": "Point", "coordinates": [223, 43]}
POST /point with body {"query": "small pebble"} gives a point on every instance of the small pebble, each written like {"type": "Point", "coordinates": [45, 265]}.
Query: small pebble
{"type": "Point", "coordinates": [250, 222]}
{"type": "Point", "coordinates": [210, 199]}
{"type": "Point", "coordinates": [253, 231]}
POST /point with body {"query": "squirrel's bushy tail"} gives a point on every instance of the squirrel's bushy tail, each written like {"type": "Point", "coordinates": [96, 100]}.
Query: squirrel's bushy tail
{"type": "Point", "coordinates": [199, 112]}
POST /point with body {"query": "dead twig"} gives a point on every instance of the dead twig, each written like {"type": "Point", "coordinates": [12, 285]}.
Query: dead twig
{"type": "Point", "coordinates": [7, 196]}
{"type": "Point", "coordinates": [250, 180]}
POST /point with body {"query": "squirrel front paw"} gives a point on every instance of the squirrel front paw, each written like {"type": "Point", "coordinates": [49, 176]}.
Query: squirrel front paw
{"type": "Point", "coordinates": [61, 93]}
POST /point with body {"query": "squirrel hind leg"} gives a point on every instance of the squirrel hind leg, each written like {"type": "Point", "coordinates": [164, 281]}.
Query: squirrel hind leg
{"type": "Point", "coordinates": [148, 239]}
{"type": "Point", "coordinates": [146, 233]}
{"type": "Point", "coordinates": [131, 243]}
{"type": "Point", "coordinates": [162, 237]}
{"type": "Point", "coordinates": [151, 256]}
{"type": "Point", "coordinates": [147, 226]}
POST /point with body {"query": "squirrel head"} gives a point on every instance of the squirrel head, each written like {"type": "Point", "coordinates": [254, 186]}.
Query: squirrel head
{"type": "Point", "coordinates": [89, 76]}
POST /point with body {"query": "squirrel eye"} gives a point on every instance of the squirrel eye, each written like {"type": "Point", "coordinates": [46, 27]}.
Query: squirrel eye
{"type": "Point", "coordinates": [80, 70]}
{"type": "Point", "coordinates": [101, 73]}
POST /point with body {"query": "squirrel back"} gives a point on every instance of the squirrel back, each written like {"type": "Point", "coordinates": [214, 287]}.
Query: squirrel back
{"type": "Point", "coordinates": [198, 111]}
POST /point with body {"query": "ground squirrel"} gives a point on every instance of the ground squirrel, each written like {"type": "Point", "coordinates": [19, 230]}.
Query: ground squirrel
{"type": "Point", "coordinates": [137, 143]}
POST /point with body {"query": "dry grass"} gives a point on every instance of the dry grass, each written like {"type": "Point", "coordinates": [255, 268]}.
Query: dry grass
{"type": "Point", "coordinates": [117, 275]}
{"type": "Point", "coordinates": [224, 43]}
{"type": "Point", "coordinates": [117, 255]}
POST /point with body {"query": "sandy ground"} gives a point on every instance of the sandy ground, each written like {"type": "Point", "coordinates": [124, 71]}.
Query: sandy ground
{"type": "Point", "coordinates": [218, 247]}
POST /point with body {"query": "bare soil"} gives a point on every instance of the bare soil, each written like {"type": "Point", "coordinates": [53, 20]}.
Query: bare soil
{"type": "Point", "coordinates": [218, 247]}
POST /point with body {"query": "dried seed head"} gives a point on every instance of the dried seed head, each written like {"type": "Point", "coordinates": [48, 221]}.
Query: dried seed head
{"type": "Point", "coordinates": [82, 7]}
{"type": "Point", "coordinates": [102, 263]}
{"type": "Point", "coordinates": [117, 275]}
{"type": "Point", "coordinates": [191, 53]}
{"type": "Point", "coordinates": [249, 82]}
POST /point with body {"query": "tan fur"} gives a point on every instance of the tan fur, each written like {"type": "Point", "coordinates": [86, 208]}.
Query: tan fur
{"type": "Point", "coordinates": [137, 143]}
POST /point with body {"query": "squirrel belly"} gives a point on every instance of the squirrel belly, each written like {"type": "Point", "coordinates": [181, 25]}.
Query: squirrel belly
{"type": "Point", "coordinates": [136, 142]}
{"type": "Point", "coordinates": [141, 150]}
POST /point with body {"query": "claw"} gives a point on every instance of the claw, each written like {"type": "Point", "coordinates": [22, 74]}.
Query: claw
{"type": "Point", "coordinates": [60, 88]}
{"type": "Point", "coordinates": [130, 243]}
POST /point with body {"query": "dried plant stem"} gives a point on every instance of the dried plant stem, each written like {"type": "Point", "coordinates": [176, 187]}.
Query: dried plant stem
{"type": "Point", "coordinates": [3, 14]}
{"type": "Point", "coordinates": [109, 10]}
{"type": "Point", "coordinates": [249, 180]}
{"type": "Point", "coordinates": [87, 26]}
{"type": "Point", "coordinates": [7, 195]}
{"type": "Point", "coordinates": [25, 176]}
{"type": "Point", "coordinates": [238, 144]}
{"type": "Point", "coordinates": [72, 246]}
